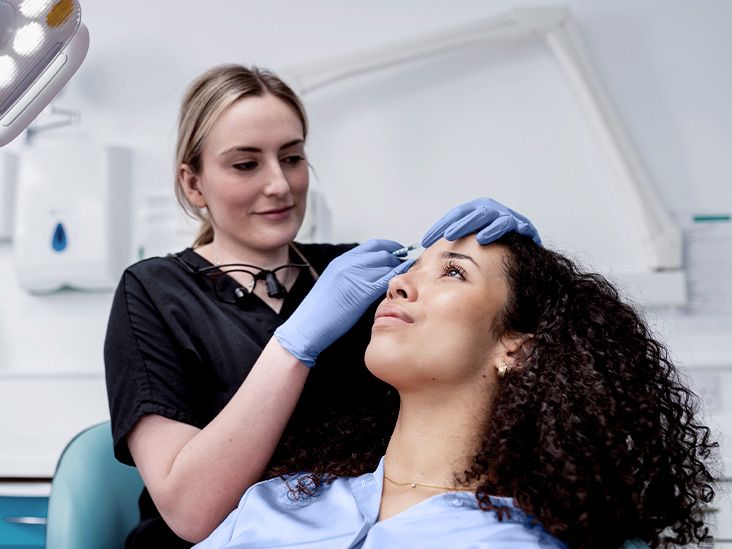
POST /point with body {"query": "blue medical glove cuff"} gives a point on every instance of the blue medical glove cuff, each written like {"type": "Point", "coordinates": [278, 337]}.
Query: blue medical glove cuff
{"type": "Point", "coordinates": [303, 357]}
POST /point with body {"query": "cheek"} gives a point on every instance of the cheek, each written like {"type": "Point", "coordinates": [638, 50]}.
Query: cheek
{"type": "Point", "coordinates": [463, 352]}
{"type": "Point", "coordinates": [450, 345]}
{"type": "Point", "coordinates": [458, 330]}
{"type": "Point", "coordinates": [229, 191]}
{"type": "Point", "coordinates": [443, 354]}
{"type": "Point", "coordinates": [299, 181]}
{"type": "Point", "coordinates": [455, 346]}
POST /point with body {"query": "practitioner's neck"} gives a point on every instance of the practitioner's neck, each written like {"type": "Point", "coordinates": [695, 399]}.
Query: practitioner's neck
{"type": "Point", "coordinates": [222, 251]}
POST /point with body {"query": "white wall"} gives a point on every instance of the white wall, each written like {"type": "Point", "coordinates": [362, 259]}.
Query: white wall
{"type": "Point", "coordinates": [395, 149]}
{"type": "Point", "coordinates": [410, 142]}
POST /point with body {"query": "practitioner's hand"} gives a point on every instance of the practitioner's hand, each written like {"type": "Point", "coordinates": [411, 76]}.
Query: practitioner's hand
{"type": "Point", "coordinates": [490, 219]}
{"type": "Point", "coordinates": [347, 287]}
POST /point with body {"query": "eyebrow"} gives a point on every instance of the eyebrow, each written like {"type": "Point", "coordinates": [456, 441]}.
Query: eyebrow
{"type": "Point", "coordinates": [240, 148]}
{"type": "Point", "coordinates": [455, 255]}
{"type": "Point", "coordinates": [449, 255]}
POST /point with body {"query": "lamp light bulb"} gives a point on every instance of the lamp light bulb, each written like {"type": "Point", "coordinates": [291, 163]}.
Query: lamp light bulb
{"type": "Point", "coordinates": [28, 39]}
{"type": "Point", "coordinates": [33, 8]}
{"type": "Point", "coordinates": [8, 70]}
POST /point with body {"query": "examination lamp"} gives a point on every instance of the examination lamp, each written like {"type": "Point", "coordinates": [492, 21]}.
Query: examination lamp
{"type": "Point", "coordinates": [42, 44]}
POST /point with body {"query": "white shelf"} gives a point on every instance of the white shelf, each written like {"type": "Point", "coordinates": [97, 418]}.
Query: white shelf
{"type": "Point", "coordinates": [25, 489]}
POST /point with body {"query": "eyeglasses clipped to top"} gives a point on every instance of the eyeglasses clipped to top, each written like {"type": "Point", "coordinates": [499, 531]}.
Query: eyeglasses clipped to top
{"type": "Point", "coordinates": [236, 289]}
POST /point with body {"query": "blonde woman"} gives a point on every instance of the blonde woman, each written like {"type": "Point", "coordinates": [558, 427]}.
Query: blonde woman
{"type": "Point", "coordinates": [203, 400]}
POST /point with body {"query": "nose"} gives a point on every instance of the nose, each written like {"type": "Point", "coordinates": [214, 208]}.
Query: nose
{"type": "Point", "coordinates": [277, 183]}
{"type": "Point", "coordinates": [402, 287]}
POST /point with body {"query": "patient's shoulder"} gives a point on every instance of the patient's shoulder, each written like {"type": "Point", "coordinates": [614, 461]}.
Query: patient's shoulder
{"type": "Point", "coordinates": [294, 490]}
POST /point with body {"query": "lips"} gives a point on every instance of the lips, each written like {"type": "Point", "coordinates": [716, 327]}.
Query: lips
{"type": "Point", "coordinates": [276, 210]}
{"type": "Point", "coordinates": [390, 314]}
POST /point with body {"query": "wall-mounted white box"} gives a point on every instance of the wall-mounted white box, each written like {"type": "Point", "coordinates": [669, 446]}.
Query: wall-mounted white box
{"type": "Point", "coordinates": [73, 216]}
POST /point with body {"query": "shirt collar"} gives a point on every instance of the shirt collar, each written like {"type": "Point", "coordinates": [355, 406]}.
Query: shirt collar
{"type": "Point", "coordinates": [367, 492]}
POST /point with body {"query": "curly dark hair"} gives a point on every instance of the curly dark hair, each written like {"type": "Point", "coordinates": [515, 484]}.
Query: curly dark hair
{"type": "Point", "coordinates": [592, 432]}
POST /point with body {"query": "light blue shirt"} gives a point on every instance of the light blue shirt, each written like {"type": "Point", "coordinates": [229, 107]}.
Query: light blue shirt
{"type": "Point", "coordinates": [344, 515]}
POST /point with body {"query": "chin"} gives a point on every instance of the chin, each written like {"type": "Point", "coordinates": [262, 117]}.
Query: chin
{"type": "Point", "coordinates": [290, 230]}
{"type": "Point", "coordinates": [382, 356]}
{"type": "Point", "coordinates": [276, 237]}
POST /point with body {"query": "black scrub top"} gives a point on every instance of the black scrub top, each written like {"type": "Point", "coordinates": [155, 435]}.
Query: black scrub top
{"type": "Point", "coordinates": [173, 348]}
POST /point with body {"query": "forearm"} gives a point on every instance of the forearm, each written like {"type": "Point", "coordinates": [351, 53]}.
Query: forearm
{"type": "Point", "coordinates": [203, 481]}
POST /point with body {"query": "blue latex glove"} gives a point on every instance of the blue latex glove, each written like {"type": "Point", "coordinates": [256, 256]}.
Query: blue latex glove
{"type": "Point", "coordinates": [347, 287]}
{"type": "Point", "coordinates": [490, 219]}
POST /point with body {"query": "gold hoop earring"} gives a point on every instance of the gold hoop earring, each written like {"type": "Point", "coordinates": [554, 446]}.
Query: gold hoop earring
{"type": "Point", "coordinates": [502, 369]}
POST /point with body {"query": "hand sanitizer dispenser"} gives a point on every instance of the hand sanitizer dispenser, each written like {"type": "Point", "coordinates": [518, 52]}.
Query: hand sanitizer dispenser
{"type": "Point", "coordinates": [72, 219]}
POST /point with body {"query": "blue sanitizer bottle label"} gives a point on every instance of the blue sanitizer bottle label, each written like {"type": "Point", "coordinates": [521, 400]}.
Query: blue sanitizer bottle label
{"type": "Point", "coordinates": [59, 242]}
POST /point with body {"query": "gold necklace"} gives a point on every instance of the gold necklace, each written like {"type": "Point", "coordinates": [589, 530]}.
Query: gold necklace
{"type": "Point", "coordinates": [423, 485]}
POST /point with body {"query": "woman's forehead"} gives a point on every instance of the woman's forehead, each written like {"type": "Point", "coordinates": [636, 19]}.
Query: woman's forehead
{"type": "Point", "coordinates": [256, 118]}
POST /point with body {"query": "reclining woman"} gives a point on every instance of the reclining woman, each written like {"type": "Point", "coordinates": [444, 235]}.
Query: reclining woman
{"type": "Point", "coordinates": [536, 409]}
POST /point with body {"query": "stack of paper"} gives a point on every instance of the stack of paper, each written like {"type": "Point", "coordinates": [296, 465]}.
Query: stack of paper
{"type": "Point", "coordinates": [708, 263]}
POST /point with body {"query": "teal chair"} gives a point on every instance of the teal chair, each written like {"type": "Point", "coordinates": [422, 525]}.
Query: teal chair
{"type": "Point", "coordinates": [93, 500]}
{"type": "Point", "coordinates": [635, 544]}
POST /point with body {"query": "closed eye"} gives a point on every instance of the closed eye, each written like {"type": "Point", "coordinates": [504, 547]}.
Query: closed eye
{"type": "Point", "coordinates": [246, 166]}
{"type": "Point", "coordinates": [293, 159]}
